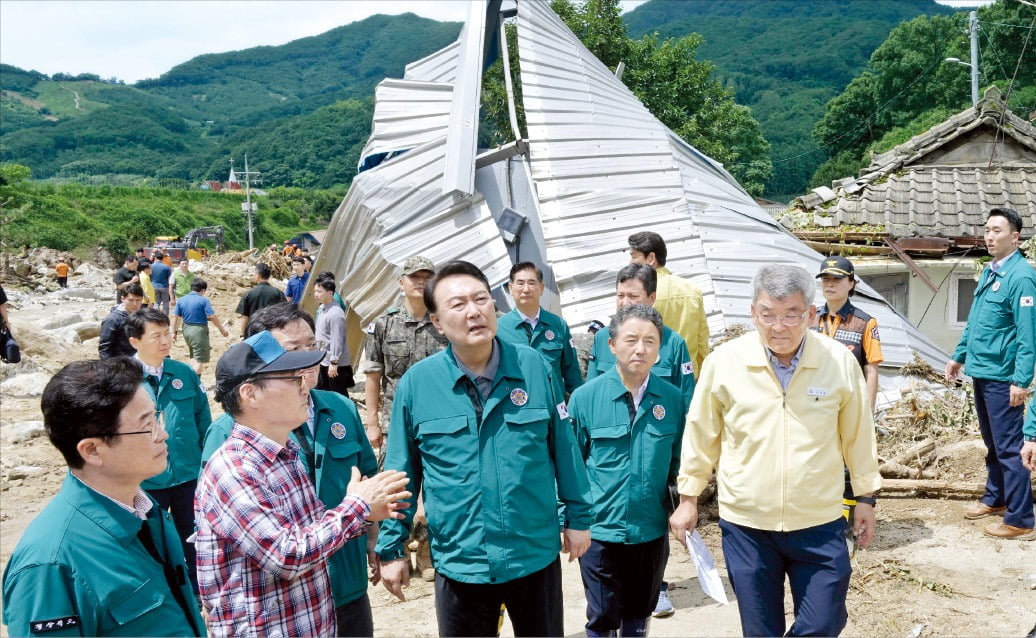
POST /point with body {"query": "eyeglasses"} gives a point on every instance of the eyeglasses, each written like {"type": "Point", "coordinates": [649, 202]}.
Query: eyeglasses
{"type": "Point", "coordinates": [300, 380]}
{"type": "Point", "coordinates": [789, 321]}
{"type": "Point", "coordinates": [157, 427]}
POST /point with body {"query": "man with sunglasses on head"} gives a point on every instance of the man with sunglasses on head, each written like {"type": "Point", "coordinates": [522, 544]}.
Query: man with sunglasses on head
{"type": "Point", "coordinates": [332, 443]}
{"type": "Point", "coordinates": [776, 411]}
{"type": "Point", "coordinates": [264, 537]}
{"type": "Point", "coordinates": [101, 559]}
{"type": "Point", "coordinates": [184, 407]}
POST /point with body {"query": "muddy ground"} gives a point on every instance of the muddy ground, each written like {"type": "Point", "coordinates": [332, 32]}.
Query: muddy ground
{"type": "Point", "coordinates": [929, 572]}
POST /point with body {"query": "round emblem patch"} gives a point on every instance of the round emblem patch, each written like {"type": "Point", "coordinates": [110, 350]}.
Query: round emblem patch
{"type": "Point", "coordinates": [519, 397]}
{"type": "Point", "coordinates": [996, 286]}
{"type": "Point", "coordinates": [338, 430]}
{"type": "Point", "coordinates": [659, 412]}
{"type": "Point", "coordinates": [549, 335]}
{"type": "Point", "coordinates": [177, 384]}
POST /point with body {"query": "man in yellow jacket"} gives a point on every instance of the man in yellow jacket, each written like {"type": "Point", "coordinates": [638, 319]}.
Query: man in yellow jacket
{"type": "Point", "coordinates": [782, 407]}
{"type": "Point", "coordinates": [676, 299]}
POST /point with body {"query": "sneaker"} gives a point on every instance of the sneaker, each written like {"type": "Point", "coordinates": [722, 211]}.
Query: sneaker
{"type": "Point", "coordinates": [664, 607]}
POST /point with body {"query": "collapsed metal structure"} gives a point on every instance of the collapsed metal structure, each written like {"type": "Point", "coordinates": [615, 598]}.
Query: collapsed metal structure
{"type": "Point", "coordinates": [596, 166]}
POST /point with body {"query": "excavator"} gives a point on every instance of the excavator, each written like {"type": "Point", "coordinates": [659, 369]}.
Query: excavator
{"type": "Point", "coordinates": [186, 247]}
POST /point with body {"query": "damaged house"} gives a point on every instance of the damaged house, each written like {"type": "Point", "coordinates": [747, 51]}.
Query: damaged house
{"type": "Point", "coordinates": [595, 167]}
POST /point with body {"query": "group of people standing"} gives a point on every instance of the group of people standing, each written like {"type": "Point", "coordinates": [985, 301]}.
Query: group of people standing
{"type": "Point", "coordinates": [489, 436]}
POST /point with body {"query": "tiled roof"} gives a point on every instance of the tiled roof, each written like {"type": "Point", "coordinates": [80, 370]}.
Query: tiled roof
{"type": "Point", "coordinates": [928, 186]}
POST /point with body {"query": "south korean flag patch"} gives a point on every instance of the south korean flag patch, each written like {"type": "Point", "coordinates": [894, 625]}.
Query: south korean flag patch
{"type": "Point", "coordinates": [687, 368]}
{"type": "Point", "coordinates": [1026, 302]}
{"type": "Point", "coordinates": [370, 328]}
{"type": "Point", "coordinates": [562, 410]}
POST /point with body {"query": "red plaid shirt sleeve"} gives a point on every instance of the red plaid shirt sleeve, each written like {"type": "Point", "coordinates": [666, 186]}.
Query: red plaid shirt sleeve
{"type": "Point", "coordinates": [264, 539]}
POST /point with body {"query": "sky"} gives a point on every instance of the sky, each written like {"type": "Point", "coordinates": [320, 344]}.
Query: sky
{"type": "Point", "coordinates": [145, 38]}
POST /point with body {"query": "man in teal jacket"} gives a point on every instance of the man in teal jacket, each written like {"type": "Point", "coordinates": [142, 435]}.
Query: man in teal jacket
{"type": "Point", "coordinates": [530, 325]}
{"type": "Point", "coordinates": [629, 424]}
{"type": "Point", "coordinates": [185, 411]}
{"type": "Point", "coordinates": [998, 348]}
{"type": "Point", "coordinates": [482, 428]}
{"type": "Point", "coordinates": [636, 284]}
{"type": "Point", "coordinates": [101, 559]}
{"type": "Point", "coordinates": [332, 442]}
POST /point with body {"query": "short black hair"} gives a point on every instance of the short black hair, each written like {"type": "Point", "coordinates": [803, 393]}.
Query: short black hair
{"type": "Point", "coordinates": [648, 242]}
{"type": "Point", "coordinates": [136, 323]}
{"type": "Point", "coordinates": [327, 274]}
{"type": "Point", "coordinates": [133, 289]}
{"type": "Point", "coordinates": [298, 260]}
{"type": "Point", "coordinates": [262, 270]}
{"type": "Point", "coordinates": [1010, 214]}
{"type": "Point", "coordinates": [84, 399]}
{"type": "Point", "coordinates": [451, 269]}
{"type": "Point", "coordinates": [636, 311]}
{"type": "Point", "coordinates": [144, 264]}
{"type": "Point", "coordinates": [642, 272]}
{"type": "Point", "coordinates": [130, 259]}
{"type": "Point", "coordinates": [199, 285]}
{"type": "Point", "coordinates": [326, 283]}
{"type": "Point", "coordinates": [158, 255]}
{"type": "Point", "coordinates": [525, 265]}
{"type": "Point", "coordinates": [276, 316]}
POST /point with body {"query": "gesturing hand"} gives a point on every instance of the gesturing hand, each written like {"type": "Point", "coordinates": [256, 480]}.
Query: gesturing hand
{"type": "Point", "coordinates": [385, 493]}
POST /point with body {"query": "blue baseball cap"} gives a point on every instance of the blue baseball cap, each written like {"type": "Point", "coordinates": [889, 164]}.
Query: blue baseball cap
{"type": "Point", "coordinates": [259, 354]}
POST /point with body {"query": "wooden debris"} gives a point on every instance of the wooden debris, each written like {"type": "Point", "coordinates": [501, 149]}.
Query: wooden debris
{"type": "Point", "coordinates": [927, 487]}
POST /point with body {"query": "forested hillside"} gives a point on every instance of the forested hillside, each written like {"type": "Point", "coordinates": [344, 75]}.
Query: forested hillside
{"type": "Point", "coordinates": [304, 107]}
{"type": "Point", "coordinates": [785, 59]}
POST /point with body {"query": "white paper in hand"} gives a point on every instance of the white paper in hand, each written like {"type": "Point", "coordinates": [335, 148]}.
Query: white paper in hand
{"type": "Point", "coordinates": [708, 575]}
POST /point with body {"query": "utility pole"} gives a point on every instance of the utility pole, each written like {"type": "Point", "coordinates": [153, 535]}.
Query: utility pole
{"type": "Point", "coordinates": [973, 32]}
{"type": "Point", "coordinates": [973, 29]}
{"type": "Point", "coordinates": [248, 207]}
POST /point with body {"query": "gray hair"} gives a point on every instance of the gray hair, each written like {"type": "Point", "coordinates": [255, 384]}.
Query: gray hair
{"type": "Point", "coordinates": [781, 281]}
{"type": "Point", "coordinates": [636, 311]}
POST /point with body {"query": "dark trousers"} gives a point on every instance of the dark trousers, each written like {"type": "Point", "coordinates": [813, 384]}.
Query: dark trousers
{"type": "Point", "coordinates": [355, 619]}
{"type": "Point", "coordinates": [179, 500]}
{"type": "Point", "coordinates": [621, 581]}
{"type": "Point", "coordinates": [816, 561]}
{"type": "Point", "coordinates": [63, 282]}
{"type": "Point", "coordinates": [339, 384]}
{"type": "Point", "coordinates": [1008, 482]}
{"type": "Point", "coordinates": [162, 300]}
{"type": "Point", "coordinates": [533, 604]}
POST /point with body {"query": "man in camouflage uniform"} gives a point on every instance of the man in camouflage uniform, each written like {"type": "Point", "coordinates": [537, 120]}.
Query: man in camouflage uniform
{"type": "Point", "coordinates": [395, 341]}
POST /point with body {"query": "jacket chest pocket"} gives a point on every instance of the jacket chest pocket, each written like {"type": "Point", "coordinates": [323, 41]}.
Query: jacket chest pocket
{"type": "Point", "coordinates": [439, 438]}
{"type": "Point", "coordinates": [552, 350]}
{"type": "Point", "coordinates": [128, 607]}
{"type": "Point", "coordinates": [397, 356]}
{"type": "Point", "coordinates": [609, 446]}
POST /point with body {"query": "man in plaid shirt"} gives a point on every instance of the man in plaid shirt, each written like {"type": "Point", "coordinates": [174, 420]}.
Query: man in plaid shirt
{"type": "Point", "coordinates": [263, 536]}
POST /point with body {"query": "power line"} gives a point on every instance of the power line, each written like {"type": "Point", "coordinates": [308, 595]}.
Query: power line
{"type": "Point", "coordinates": [1010, 87]}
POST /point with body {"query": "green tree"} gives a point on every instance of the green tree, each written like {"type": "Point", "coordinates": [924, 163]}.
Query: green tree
{"type": "Point", "coordinates": [907, 87]}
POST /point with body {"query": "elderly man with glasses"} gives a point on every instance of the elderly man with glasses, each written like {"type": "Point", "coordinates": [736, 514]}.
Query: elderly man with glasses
{"type": "Point", "coordinates": [101, 559]}
{"type": "Point", "coordinates": [782, 407]}
{"type": "Point", "coordinates": [264, 536]}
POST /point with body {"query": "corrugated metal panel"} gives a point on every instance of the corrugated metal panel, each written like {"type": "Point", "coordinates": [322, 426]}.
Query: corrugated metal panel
{"type": "Point", "coordinates": [461, 140]}
{"type": "Point", "coordinates": [407, 114]}
{"type": "Point", "coordinates": [397, 210]}
{"type": "Point", "coordinates": [602, 168]}
{"type": "Point", "coordinates": [440, 66]}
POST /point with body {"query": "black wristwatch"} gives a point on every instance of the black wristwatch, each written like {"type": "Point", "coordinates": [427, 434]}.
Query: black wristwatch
{"type": "Point", "coordinates": [1030, 438]}
{"type": "Point", "coordinates": [867, 500]}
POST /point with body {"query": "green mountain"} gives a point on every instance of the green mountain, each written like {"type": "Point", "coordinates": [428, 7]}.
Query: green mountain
{"type": "Point", "coordinates": [189, 121]}
{"type": "Point", "coordinates": [785, 59]}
